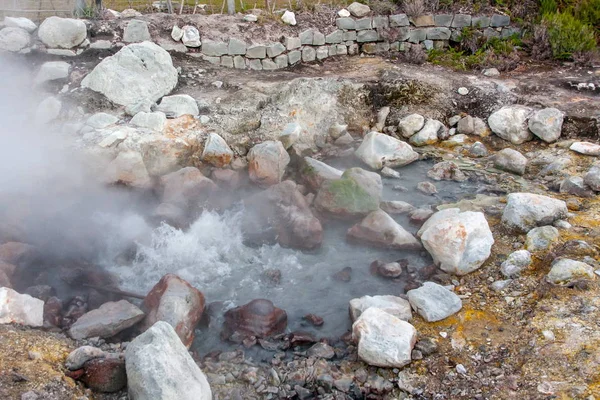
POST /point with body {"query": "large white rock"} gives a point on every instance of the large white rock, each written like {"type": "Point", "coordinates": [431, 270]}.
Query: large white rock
{"type": "Point", "coordinates": [359, 10]}
{"type": "Point", "coordinates": [383, 339]}
{"type": "Point", "coordinates": [411, 124]}
{"type": "Point", "coordinates": [191, 36]}
{"type": "Point", "coordinates": [159, 367]}
{"type": "Point", "coordinates": [138, 75]}
{"type": "Point", "coordinates": [380, 230]}
{"type": "Point", "coordinates": [267, 162]}
{"type": "Point", "coordinates": [216, 151]}
{"type": "Point", "coordinates": [106, 321]}
{"type": "Point", "coordinates": [288, 18]}
{"type": "Point", "coordinates": [564, 271]}
{"type": "Point", "coordinates": [434, 302]}
{"type": "Point", "coordinates": [525, 211]}
{"type": "Point", "coordinates": [14, 39]}
{"type": "Point", "coordinates": [65, 33]}
{"type": "Point", "coordinates": [315, 172]}
{"type": "Point", "coordinates": [547, 124]}
{"type": "Point", "coordinates": [136, 31]}
{"type": "Point", "coordinates": [378, 150]}
{"type": "Point", "coordinates": [20, 22]}
{"type": "Point", "coordinates": [396, 306]}
{"type": "Point", "coordinates": [510, 123]}
{"type": "Point", "coordinates": [586, 148]}
{"type": "Point", "coordinates": [458, 242]}
{"type": "Point", "coordinates": [20, 308]}
{"type": "Point", "coordinates": [429, 134]}
{"type": "Point", "coordinates": [178, 105]}
{"type": "Point", "coordinates": [52, 71]}
{"type": "Point", "coordinates": [154, 120]}
{"type": "Point", "coordinates": [101, 120]}
{"type": "Point", "coordinates": [128, 168]}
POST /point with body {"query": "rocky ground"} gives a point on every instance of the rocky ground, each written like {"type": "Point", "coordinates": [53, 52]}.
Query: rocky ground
{"type": "Point", "coordinates": [521, 331]}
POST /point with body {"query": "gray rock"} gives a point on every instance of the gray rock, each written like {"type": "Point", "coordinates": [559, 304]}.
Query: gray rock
{"type": "Point", "coordinates": [138, 75]}
{"type": "Point", "coordinates": [274, 49]}
{"type": "Point", "coordinates": [378, 150]}
{"type": "Point", "coordinates": [396, 306]}
{"type": "Point", "coordinates": [52, 71]}
{"type": "Point", "coordinates": [381, 22]}
{"type": "Point", "coordinates": [399, 20]}
{"type": "Point", "coordinates": [426, 188]}
{"type": "Point", "coordinates": [323, 52]}
{"type": "Point", "coordinates": [191, 36]}
{"type": "Point", "coordinates": [14, 39]}
{"type": "Point", "coordinates": [335, 37]}
{"type": "Point", "coordinates": [510, 160]}
{"type": "Point", "coordinates": [22, 309]}
{"type": "Point", "coordinates": [380, 230]}
{"type": "Point", "coordinates": [281, 61]}
{"type": "Point", "coordinates": [564, 271]}
{"type": "Point", "coordinates": [136, 31]}
{"type": "Point", "coordinates": [447, 171]}
{"type": "Point", "coordinates": [491, 72]}
{"type": "Point", "coordinates": [292, 42]}
{"type": "Point", "coordinates": [461, 20]}
{"type": "Point", "coordinates": [525, 211]}
{"type": "Point", "coordinates": [64, 33]}
{"type": "Point", "coordinates": [515, 263]}
{"type": "Point", "coordinates": [295, 56]}
{"type": "Point", "coordinates": [434, 302]}
{"type": "Point", "coordinates": [480, 128]}
{"type": "Point", "coordinates": [101, 120]}
{"type": "Point", "coordinates": [309, 54]}
{"type": "Point", "coordinates": [315, 172]}
{"type": "Point", "coordinates": [178, 105]}
{"type": "Point", "coordinates": [213, 48]}
{"type": "Point", "coordinates": [256, 51]}
{"type": "Point", "coordinates": [428, 44]}
{"type": "Point", "coordinates": [466, 125]}
{"type": "Point", "coordinates": [81, 355]}
{"type": "Point", "coordinates": [368, 35]}
{"type": "Point", "coordinates": [481, 22]}
{"type": "Point", "coordinates": [592, 178]}
{"type": "Point", "coordinates": [364, 23]}
{"type": "Point", "coordinates": [154, 120]}
{"type": "Point", "coordinates": [318, 39]}
{"type": "Point", "coordinates": [359, 10]}
{"type": "Point", "coordinates": [417, 35]}
{"type": "Point", "coordinates": [237, 47]}
{"type": "Point", "coordinates": [106, 321]}
{"type": "Point", "coordinates": [510, 123]}
{"type": "Point", "coordinates": [400, 337]}
{"type": "Point", "coordinates": [267, 163]}
{"type": "Point", "coordinates": [160, 367]}
{"type": "Point", "coordinates": [176, 33]}
{"type": "Point", "coordinates": [576, 186]}
{"type": "Point", "coordinates": [269, 65]}
{"type": "Point", "coordinates": [429, 134]}
{"type": "Point", "coordinates": [396, 207]}
{"type": "Point", "coordinates": [390, 173]}
{"type": "Point", "coordinates": [586, 148]}
{"type": "Point", "coordinates": [458, 242]}
{"type": "Point", "coordinates": [239, 62]}
{"type": "Point", "coordinates": [321, 350]}
{"type": "Point", "coordinates": [541, 238]}
{"type": "Point", "coordinates": [344, 23]}
{"type": "Point", "coordinates": [498, 286]}
{"type": "Point", "coordinates": [438, 33]}
{"type": "Point", "coordinates": [307, 37]}
{"type": "Point", "coordinates": [443, 20]}
{"type": "Point", "coordinates": [499, 20]}
{"type": "Point", "coordinates": [546, 124]}
{"type": "Point", "coordinates": [411, 124]}
{"type": "Point", "coordinates": [290, 134]}
{"type": "Point", "coordinates": [20, 22]}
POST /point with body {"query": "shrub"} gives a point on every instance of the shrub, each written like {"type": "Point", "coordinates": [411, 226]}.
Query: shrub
{"type": "Point", "coordinates": [568, 35]}
{"type": "Point", "coordinates": [548, 7]}
{"type": "Point", "coordinates": [588, 11]}
{"type": "Point", "coordinates": [414, 8]}
{"type": "Point", "coordinates": [541, 50]}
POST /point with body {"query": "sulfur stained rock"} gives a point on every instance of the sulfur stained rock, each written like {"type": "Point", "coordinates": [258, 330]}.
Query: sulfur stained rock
{"type": "Point", "coordinates": [258, 318]}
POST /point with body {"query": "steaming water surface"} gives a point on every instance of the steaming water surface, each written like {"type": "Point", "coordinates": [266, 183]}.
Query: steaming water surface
{"type": "Point", "coordinates": [211, 256]}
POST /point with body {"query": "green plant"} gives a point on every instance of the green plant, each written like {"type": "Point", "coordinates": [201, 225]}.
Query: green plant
{"type": "Point", "coordinates": [588, 11]}
{"type": "Point", "coordinates": [548, 7]}
{"type": "Point", "coordinates": [568, 35]}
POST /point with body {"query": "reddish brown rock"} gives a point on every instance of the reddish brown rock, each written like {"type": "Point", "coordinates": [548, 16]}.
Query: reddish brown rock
{"type": "Point", "coordinates": [226, 178]}
{"type": "Point", "coordinates": [313, 319]}
{"type": "Point", "coordinates": [281, 213]}
{"type": "Point", "coordinates": [106, 375]}
{"type": "Point", "coordinates": [344, 275]}
{"type": "Point", "coordinates": [53, 312]}
{"type": "Point", "coordinates": [258, 318]}
{"type": "Point", "coordinates": [186, 188]}
{"type": "Point", "coordinates": [176, 302]}
{"type": "Point", "coordinates": [16, 253]}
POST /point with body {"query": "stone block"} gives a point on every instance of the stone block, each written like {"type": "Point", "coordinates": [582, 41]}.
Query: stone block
{"type": "Point", "coordinates": [318, 39]}
{"type": "Point", "coordinates": [227, 61]}
{"type": "Point", "coordinates": [481, 21]}
{"type": "Point", "coordinates": [417, 35]}
{"type": "Point", "coordinates": [381, 21]}
{"type": "Point", "coordinates": [397, 46]}
{"type": "Point", "coordinates": [367, 36]}
{"type": "Point", "coordinates": [383, 47]}
{"type": "Point", "coordinates": [369, 48]}
{"type": "Point", "coordinates": [461, 20]}
{"type": "Point", "coordinates": [275, 49]}
{"type": "Point", "coordinates": [322, 52]}
{"type": "Point", "coordinates": [440, 44]}
{"type": "Point", "coordinates": [350, 36]}
{"type": "Point", "coordinates": [443, 20]}
{"type": "Point", "coordinates": [341, 49]}
{"type": "Point", "coordinates": [308, 54]}
{"type": "Point", "coordinates": [256, 51]}
{"type": "Point", "coordinates": [438, 33]}
{"type": "Point", "coordinates": [213, 48]}
{"type": "Point", "coordinates": [335, 37]}
{"type": "Point", "coordinates": [364, 23]}
{"type": "Point", "coordinates": [254, 64]}
{"type": "Point", "coordinates": [423, 20]}
{"type": "Point", "coordinates": [236, 47]}
{"type": "Point", "coordinates": [509, 31]}
{"type": "Point", "coordinates": [456, 35]}
{"type": "Point", "coordinates": [428, 44]}
{"type": "Point", "coordinates": [239, 62]}
{"type": "Point", "coordinates": [499, 20]}
{"type": "Point", "coordinates": [403, 34]}
{"type": "Point", "coordinates": [490, 33]}
{"type": "Point", "coordinates": [345, 23]}
{"type": "Point", "coordinates": [212, 59]}
{"type": "Point", "coordinates": [292, 42]}
{"type": "Point", "coordinates": [269, 65]}
{"type": "Point", "coordinates": [281, 61]}
{"type": "Point", "coordinates": [399, 20]}
{"type": "Point", "coordinates": [294, 56]}
{"type": "Point", "coordinates": [307, 37]}
{"type": "Point", "coordinates": [353, 49]}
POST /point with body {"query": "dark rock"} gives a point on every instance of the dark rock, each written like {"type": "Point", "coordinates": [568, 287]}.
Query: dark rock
{"type": "Point", "coordinates": [53, 308]}
{"type": "Point", "coordinates": [390, 270]}
{"type": "Point", "coordinates": [446, 170]}
{"type": "Point", "coordinates": [321, 350]}
{"type": "Point", "coordinates": [105, 375]}
{"type": "Point", "coordinates": [272, 276]}
{"type": "Point", "coordinates": [301, 338]}
{"type": "Point", "coordinates": [575, 185]}
{"type": "Point", "coordinates": [420, 215]}
{"type": "Point", "coordinates": [106, 321]}
{"type": "Point", "coordinates": [176, 302]}
{"type": "Point", "coordinates": [258, 318]}
{"type": "Point", "coordinates": [303, 393]}
{"type": "Point", "coordinates": [42, 292]}
{"type": "Point", "coordinates": [75, 308]}
{"type": "Point", "coordinates": [426, 346]}
{"type": "Point", "coordinates": [344, 275]}
{"type": "Point", "coordinates": [313, 319]}
{"type": "Point", "coordinates": [416, 355]}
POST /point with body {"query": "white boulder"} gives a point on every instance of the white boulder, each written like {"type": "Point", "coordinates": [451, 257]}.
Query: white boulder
{"type": "Point", "coordinates": [150, 120]}
{"type": "Point", "coordinates": [52, 71]}
{"type": "Point", "coordinates": [16, 308]}
{"type": "Point", "coordinates": [434, 302]}
{"type": "Point", "coordinates": [411, 124]}
{"type": "Point", "coordinates": [525, 211]}
{"type": "Point", "coordinates": [216, 151]}
{"type": "Point", "coordinates": [178, 105]}
{"type": "Point", "coordinates": [14, 39]}
{"type": "Point", "coordinates": [547, 124]}
{"type": "Point", "coordinates": [378, 150]}
{"type": "Point", "coordinates": [20, 22]}
{"type": "Point", "coordinates": [396, 306]}
{"type": "Point", "coordinates": [65, 33]}
{"type": "Point", "coordinates": [510, 123]}
{"type": "Point", "coordinates": [191, 36]}
{"type": "Point", "coordinates": [289, 18]}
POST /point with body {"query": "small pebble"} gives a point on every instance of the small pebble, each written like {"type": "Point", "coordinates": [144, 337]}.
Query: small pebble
{"type": "Point", "coordinates": [463, 91]}
{"type": "Point", "coordinates": [461, 369]}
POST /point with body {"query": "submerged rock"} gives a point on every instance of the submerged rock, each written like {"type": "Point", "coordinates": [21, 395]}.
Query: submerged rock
{"type": "Point", "coordinates": [434, 302]}
{"type": "Point", "coordinates": [458, 242]}
{"type": "Point", "coordinates": [378, 150]}
{"type": "Point", "coordinates": [22, 309]}
{"type": "Point", "coordinates": [267, 162]}
{"type": "Point", "coordinates": [176, 302]}
{"type": "Point", "coordinates": [515, 263]}
{"type": "Point", "coordinates": [399, 336]}
{"type": "Point", "coordinates": [564, 271]}
{"type": "Point", "coordinates": [525, 211]}
{"type": "Point", "coordinates": [356, 194]}
{"type": "Point", "coordinates": [396, 207]}
{"type": "Point", "coordinates": [510, 123]}
{"type": "Point", "coordinates": [426, 188]}
{"type": "Point", "coordinates": [380, 230]}
{"type": "Point", "coordinates": [258, 318]}
{"type": "Point", "coordinates": [106, 321]}
{"type": "Point", "coordinates": [396, 306]}
{"type": "Point", "coordinates": [446, 170]}
{"type": "Point", "coordinates": [160, 367]}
